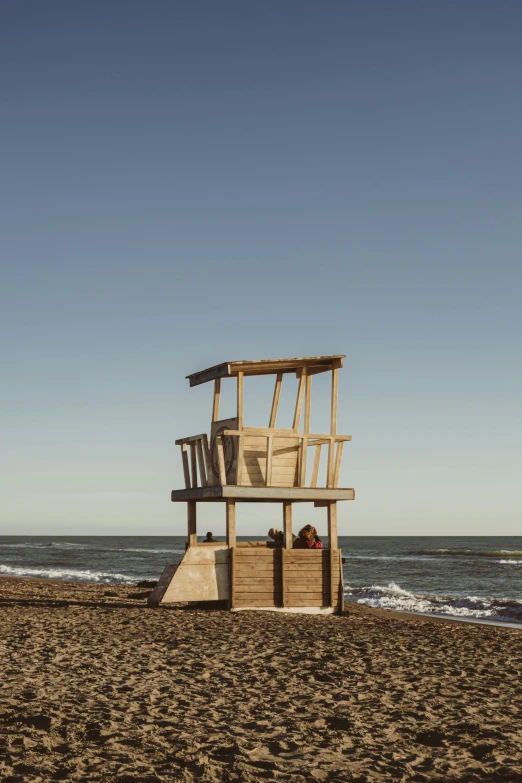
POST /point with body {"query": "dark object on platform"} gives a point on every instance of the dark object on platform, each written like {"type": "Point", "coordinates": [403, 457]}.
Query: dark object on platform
{"type": "Point", "coordinates": [146, 583]}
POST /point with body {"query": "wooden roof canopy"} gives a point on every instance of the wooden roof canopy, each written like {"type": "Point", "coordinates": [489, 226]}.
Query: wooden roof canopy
{"type": "Point", "coordinates": [313, 364]}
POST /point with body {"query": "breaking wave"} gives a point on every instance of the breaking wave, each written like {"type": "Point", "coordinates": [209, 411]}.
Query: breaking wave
{"type": "Point", "coordinates": [393, 596]}
{"type": "Point", "coordinates": [75, 575]}
{"type": "Point", "coordinates": [490, 553]}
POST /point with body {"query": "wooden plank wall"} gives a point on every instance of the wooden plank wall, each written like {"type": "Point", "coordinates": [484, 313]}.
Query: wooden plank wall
{"type": "Point", "coordinates": [284, 462]}
{"type": "Point", "coordinates": [256, 577]}
{"type": "Point", "coordinates": [285, 577]}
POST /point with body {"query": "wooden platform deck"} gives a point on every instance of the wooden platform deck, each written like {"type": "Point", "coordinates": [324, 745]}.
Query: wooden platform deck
{"type": "Point", "coordinates": [260, 494]}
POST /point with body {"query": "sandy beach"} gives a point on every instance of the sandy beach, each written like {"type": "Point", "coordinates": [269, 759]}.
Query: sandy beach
{"type": "Point", "coordinates": [96, 687]}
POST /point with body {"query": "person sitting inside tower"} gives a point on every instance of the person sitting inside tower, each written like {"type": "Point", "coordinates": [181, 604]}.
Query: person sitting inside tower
{"type": "Point", "coordinates": [308, 538]}
{"type": "Point", "coordinates": [209, 539]}
{"type": "Point", "coordinates": [278, 536]}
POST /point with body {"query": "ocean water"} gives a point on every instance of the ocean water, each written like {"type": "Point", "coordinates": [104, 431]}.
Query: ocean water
{"type": "Point", "coordinates": [468, 577]}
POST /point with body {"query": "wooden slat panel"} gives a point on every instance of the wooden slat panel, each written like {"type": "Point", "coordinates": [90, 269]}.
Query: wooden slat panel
{"type": "Point", "coordinates": [201, 463]}
{"type": "Point", "coordinates": [256, 603]}
{"type": "Point", "coordinates": [186, 469]}
{"type": "Point", "coordinates": [221, 458]}
{"type": "Point", "coordinates": [254, 581]}
{"type": "Point", "coordinates": [261, 595]}
{"type": "Point", "coordinates": [260, 461]}
{"type": "Point", "coordinates": [208, 461]}
{"type": "Point", "coordinates": [338, 460]}
{"type": "Point", "coordinates": [193, 465]}
{"type": "Point", "coordinates": [257, 552]}
{"type": "Point", "coordinates": [215, 405]}
{"type": "Point", "coordinates": [257, 472]}
{"type": "Point", "coordinates": [232, 573]}
{"type": "Point", "coordinates": [275, 401]}
{"type": "Point", "coordinates": [315, 469]}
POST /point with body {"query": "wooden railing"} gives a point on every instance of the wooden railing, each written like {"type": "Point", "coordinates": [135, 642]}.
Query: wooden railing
{"type": "Point", "coordinates": [199, 457]}
{"type": "Point", "coordinates": [304, 441]}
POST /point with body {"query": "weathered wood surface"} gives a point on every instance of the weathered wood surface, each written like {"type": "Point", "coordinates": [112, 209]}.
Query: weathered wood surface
{"type": "Point", "coordinates": [286, 578]}
{"type": "Point", "coordinates": [314, 364]}
{"type": "Point", "coordinates": [275, 401]}
{"type": "Point", "coordinates": [163, 583]}
{"type": "Point", "coordinates": [267, 494]}
{"type": "Point", "coordinates": [231, 523]}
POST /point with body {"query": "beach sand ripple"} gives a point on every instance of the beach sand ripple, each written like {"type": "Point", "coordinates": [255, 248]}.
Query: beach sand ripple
{"type": "Point", "coordinates": [99, 688]}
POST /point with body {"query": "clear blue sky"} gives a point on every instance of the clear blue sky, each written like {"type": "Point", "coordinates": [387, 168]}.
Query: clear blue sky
{"type": "Point", "coordinates": [185, 183]}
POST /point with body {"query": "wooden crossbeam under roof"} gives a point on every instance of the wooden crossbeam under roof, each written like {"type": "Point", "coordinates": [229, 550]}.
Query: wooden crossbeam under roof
{"type": "Point", "coordinates": [313, 364]}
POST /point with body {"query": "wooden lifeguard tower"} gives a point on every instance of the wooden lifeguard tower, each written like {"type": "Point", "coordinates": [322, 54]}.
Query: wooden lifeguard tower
{"type": "Point", "coordinates": [240, 464]}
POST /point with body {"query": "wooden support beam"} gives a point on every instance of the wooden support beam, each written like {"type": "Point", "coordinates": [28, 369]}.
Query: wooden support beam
{"type": "Point", "coordinates": [338, 458]}
{"type": "Point", "coordinates": [240, 394]}
{"type": "Point", "coordinates": [299, 401]}
{"type": "Point", "coordinates": [208, 461]}
{"type": "Point", "coordinates": [315, 468]}
{"type": "Point", "coordinates": [201, 463]}
{"type": "Point", "coordinates": [191, 519]}
{"type": "Point", "coordinates": [333, 408]}
{"type": "Point", "coordinates": [193, 465]}
{"type": "Point", "coordinates": [333, 427]}
{"type": "Point", "coordinates": [287, 524]}
{"type": "Point", "coordinates": [263, 432]}
{"type": "Point", "coordinates": [186, 470]}
{"type": "Point", "coordinates": [334, 582]}
{"type": "Point", "coordinates": [269, 455]}
{"type": "Point", "coordinates": [341, 584]}
{"type": "Point", "coordinates": [283, 576]}
{"type": "Point", "coordinates": [240, 407]}
{"type": "Point", "coordinates": [304, 443]}
{"type": "Point", "coordinates": [330, 466]}
{"type": "Point", "coordinates": [221, 460]}
{"type": "Point", "coordinates": [231, 523]}
{"type": "Point", "coordinates": [217, 394]}
{"type": "Point", "coordinates": [332, 525]}
{"type": "Point", "coordinates": [275, 401]}
{"type": "Point", "coordinates": [232, 577]}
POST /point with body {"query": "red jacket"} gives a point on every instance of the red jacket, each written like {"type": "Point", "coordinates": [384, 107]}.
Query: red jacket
{"type": "Point", "coordinates": [302, 543]}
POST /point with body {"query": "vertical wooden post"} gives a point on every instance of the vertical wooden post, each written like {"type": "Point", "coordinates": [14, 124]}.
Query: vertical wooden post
{"type": "Point", "coordinates": [201, 463]}
{"type": "Point", "coordinates": [341, 584]}
{"type": "Point", "coordinates": [269, 457]}
{"type": "Point", "coordinates": [186, 469]}
{"type": "Point", "coordinates": [221, 461]}
{"type": "Point", "coordinates": [275, 401]}
{"type": "Point", "coordinates": [282, 555]}
{"type": "Point", "coordinates": [287, 524]}
{"type": "Point", "coordinates": [306, 430]}
{"type": "Point", "coordinates": [333, 427]}
{"type": "Point", "coordinates": [191, 519]}
{"type": "Point", "coordinates": [332, 525]}
{"type": "Point", "coordinates": [208, 461]}
{"type": "Point", "coordinates": [315, 469]}
{"type": "Point", "coordinates": [193, 464]}
{"type": "Point", "coordinates": [338, 458]}
{"type": "Point", "coordinates": [333, 409]}
{"type": "Point", "coordinates": [215, 405]}
{"type": "Point", "coordinates": [299, 401]}
{"type": "Point", "coordinates": [334, 586]}
{"type": "Point", "coordinates": [240, 387]}
{"type": "Point", "coordinates": [232, 576]}
{"type": "Point", "coordinates": [231, 523]}
{"type": "Point", "coordinates": [239, 464]}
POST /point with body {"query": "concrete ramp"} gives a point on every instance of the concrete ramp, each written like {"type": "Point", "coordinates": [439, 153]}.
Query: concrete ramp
{"type": "Point", "coordinates": [202, 575]}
